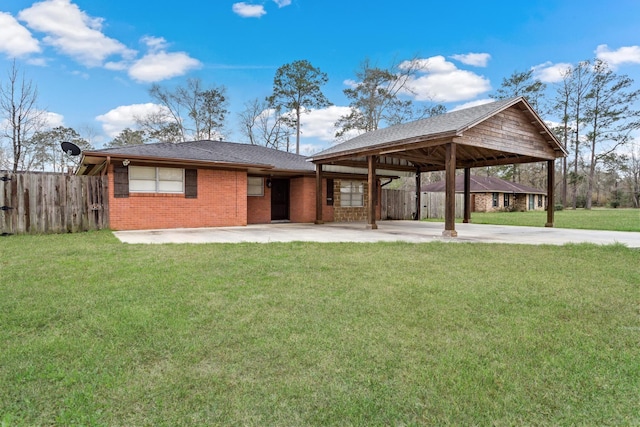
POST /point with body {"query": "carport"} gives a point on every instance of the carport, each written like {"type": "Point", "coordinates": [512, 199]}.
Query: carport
{"type": "Point", "coordinates": [499, 133]}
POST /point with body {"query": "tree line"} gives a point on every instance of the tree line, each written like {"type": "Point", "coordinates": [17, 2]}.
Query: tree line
{"type": "Point", "coordinates": [596, 110]}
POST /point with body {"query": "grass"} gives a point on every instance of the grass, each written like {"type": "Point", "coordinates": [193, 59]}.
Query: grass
{"type": "Point", "coordinates": [95, 332]}
{"type": "Point", "coordinates": [594, 219]}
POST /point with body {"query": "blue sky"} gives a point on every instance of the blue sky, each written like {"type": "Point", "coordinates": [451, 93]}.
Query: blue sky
{"type": "Point", "coordinates": [93, 61]}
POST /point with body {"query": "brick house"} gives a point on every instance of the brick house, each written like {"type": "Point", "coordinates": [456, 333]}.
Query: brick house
{"type": "Point", "coordinates": [215, 183]}
{"type": "Point", "coordinates": [489, 194]}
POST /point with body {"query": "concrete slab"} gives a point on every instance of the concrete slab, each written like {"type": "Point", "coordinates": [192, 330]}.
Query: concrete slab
{"type": "Point", "coordinates": [388, 231]}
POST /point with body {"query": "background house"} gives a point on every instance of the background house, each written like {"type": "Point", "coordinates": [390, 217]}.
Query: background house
{"type": "Point", "coordinates": [489, 194]}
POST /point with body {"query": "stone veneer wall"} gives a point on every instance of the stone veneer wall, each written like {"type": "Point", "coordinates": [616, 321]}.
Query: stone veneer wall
{"type": "Point", "coordinates": [351, 214]}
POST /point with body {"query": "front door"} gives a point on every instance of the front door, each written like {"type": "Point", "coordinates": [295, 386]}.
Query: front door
{"type": "Point", "coordinates": [279, 199]}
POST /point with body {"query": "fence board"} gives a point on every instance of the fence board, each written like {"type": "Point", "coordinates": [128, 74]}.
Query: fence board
{"type": "Point", "coordinates": [44, 203]}
{"type": "Point", "coordinates": [401, 204]}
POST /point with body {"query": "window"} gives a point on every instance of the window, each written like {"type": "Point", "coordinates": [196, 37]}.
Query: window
{"type": "Point", "coordinates": [255, 186]}
{"type": "Point", "coordinates": [495, 200]}
{"type": "Point", "coordinates": [145, 179]}
{"type": "Point", "coordinates": [506, 200]}
{"type": "Point", "coordinates": [539, 200]}
{"type": "Point", "coordinates": [351, 193]}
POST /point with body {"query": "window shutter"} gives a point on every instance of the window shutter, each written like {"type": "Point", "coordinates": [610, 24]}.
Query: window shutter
{"type": "Point", "coordinates": [120, 181]}
{"type": "Point", "coordinates": [191, 183]}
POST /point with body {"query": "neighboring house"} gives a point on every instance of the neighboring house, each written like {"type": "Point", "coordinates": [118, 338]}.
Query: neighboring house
{"type": "Point", "coordinates": [494, 194]}
{"type": "Point", "coordinates": [215, 183]}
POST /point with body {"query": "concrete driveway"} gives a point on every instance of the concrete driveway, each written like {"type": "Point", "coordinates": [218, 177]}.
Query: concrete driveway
{"type": "Point", "coordinates": [388, 231]}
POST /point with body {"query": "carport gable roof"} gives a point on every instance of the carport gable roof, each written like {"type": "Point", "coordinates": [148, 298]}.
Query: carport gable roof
{"type": "Point", "coordinates": [409, 141]}
{"type": "Point", "coordinates": [205, 153]}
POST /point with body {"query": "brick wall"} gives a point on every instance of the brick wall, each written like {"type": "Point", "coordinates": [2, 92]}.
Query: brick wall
{"type": "Point", "coordinates": [221, 201]}
{"type": "Point", "coordinates": [259, 207]}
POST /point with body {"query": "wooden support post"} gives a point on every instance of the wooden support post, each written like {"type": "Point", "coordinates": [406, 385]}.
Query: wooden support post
{"type": "Point", "coordinates": [450, 192]}
{"type": "Point", "coordinates": [371, 200]}
{"type": "Point", "coordinates": [551, 181]}
{"type": "Point", "coordinates": [467, 195]}
{"type": "Point", "coordinates": [418, 183]}
{"type": "Point", "coordinates": [319, 194]}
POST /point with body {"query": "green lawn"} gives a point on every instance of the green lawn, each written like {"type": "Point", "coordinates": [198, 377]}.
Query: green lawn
{"type": "Point", "coordinates": [95, 332]}
{"type": "Point", "coordinates": [594, 219]}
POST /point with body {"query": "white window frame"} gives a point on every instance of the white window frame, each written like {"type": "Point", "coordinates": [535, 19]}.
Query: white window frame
{"type": "Point", "coordinates": [253, 184]}
{"type": "Point", "coordinates": [350, 198]}
{"type": "Point", "coordinates": [154, 183]}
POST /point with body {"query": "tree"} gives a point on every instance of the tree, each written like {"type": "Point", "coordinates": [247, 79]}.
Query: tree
{"type": "Point", "coordinates": [609, 117]}
{"type": "Point", "coordinates": [296, 86]}
{"type": "Point", "coordinates": [375, 98]}
{"type": "Point", "coordinates": [47, 154]}
{"type": "Point", "coordinates": [187, 112]}
{"type": "Point", "coordinates": [522, 83]}
{"type": "Point", "coordinates": [580, 82]}
{"type": "Point", "coordinates": [18, 99]}
{"type": "Point", "coordinates": [263, 126]}
{"type": "Point", "coordinates": [562, 105]}
{"type": "Point", "coordinates": [126, 138]}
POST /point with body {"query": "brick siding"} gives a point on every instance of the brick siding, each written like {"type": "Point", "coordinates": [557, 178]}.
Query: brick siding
{"type": "Point", "coordinates": [221, 201]}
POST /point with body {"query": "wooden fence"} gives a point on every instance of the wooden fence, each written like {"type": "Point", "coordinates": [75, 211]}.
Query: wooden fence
{"type": "Point", "coordinates": [39, 203]}
{"type": "Point", "coordinates": [401, 204]}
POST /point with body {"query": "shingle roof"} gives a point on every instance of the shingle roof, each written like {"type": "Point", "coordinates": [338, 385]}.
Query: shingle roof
{"type": "Point", "coordinates": [483, 184]}
{"type": "Point", "coordinates": [443, 124]}
{"type": "Point", "coordinates": [214, 151]}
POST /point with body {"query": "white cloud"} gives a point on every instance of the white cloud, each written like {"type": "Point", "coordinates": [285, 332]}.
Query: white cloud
{"type": "Point", "coordinates": [124, 116]}
{"type": "Point", "coordinates": [73, 32]}
{"type": "Point", "coordinates": [282, 3]}
{"type": "Point", "coordinates": [551, 73]}
{"type": "Point", "coordinates": [320, 123]}
{"type": "Point", "coordinates": [624, 55]}
{"type": "Point", "coordinates": [155, 44]}
{"type": "Point", "coordinates": [16, 40]}
{"type": "Point", "coordinates": [442, 81]}
{"type": "Point", "coordinates": [248, 10]}
{"type": "Point", "coordinates": [53, 119]}
{"type": "Point", "coordinates": [475, 59]}
{"type": "Point", "coordinates": [156, 66]}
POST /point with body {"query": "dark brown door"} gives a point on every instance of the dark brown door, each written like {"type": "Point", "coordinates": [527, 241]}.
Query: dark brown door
{"type": "Point", "coordinates": [279, 199]}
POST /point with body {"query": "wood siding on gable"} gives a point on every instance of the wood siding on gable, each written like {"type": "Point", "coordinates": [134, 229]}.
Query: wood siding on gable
{"type": "Point", "coordinates": [509, 131]}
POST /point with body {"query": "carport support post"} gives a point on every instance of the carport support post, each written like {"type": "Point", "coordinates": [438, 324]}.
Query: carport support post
{"type": "Point", "coordinates": [319, 194]}
{"type": "Point", "coordinates": [450, 192]}
{"type": "Point", "coordinates": [551, 181]}
{"type": "Point", "coordinates": [418, 190]}
{"type": "Point", "coordinates": [467, 195]}
{"type": "Point", "coordinates": [371, 201]}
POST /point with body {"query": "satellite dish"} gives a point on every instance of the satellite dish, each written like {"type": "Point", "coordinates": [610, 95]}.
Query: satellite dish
{"type": "Point", "coordinates": [70, 148]}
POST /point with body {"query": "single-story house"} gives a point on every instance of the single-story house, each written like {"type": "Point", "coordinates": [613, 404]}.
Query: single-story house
{"type": "Point", "coordinates": [216, 183]}
{"type": "Point", "coordinates": [489, 193]}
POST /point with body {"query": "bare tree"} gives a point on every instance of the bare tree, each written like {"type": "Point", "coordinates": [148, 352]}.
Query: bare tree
{"type": "Point", "coordinates": [22, 118]}
{"type": "Point", "coordinates": [562, 105]}
{"type": "Point", "coordinates": [264, 126]}
{"type": "Point", "coordinates": [187, 112]}
{"type": "Point", "coordinates": [609, 117]}
{"type": "Point", "coordinates": [581, 78]}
